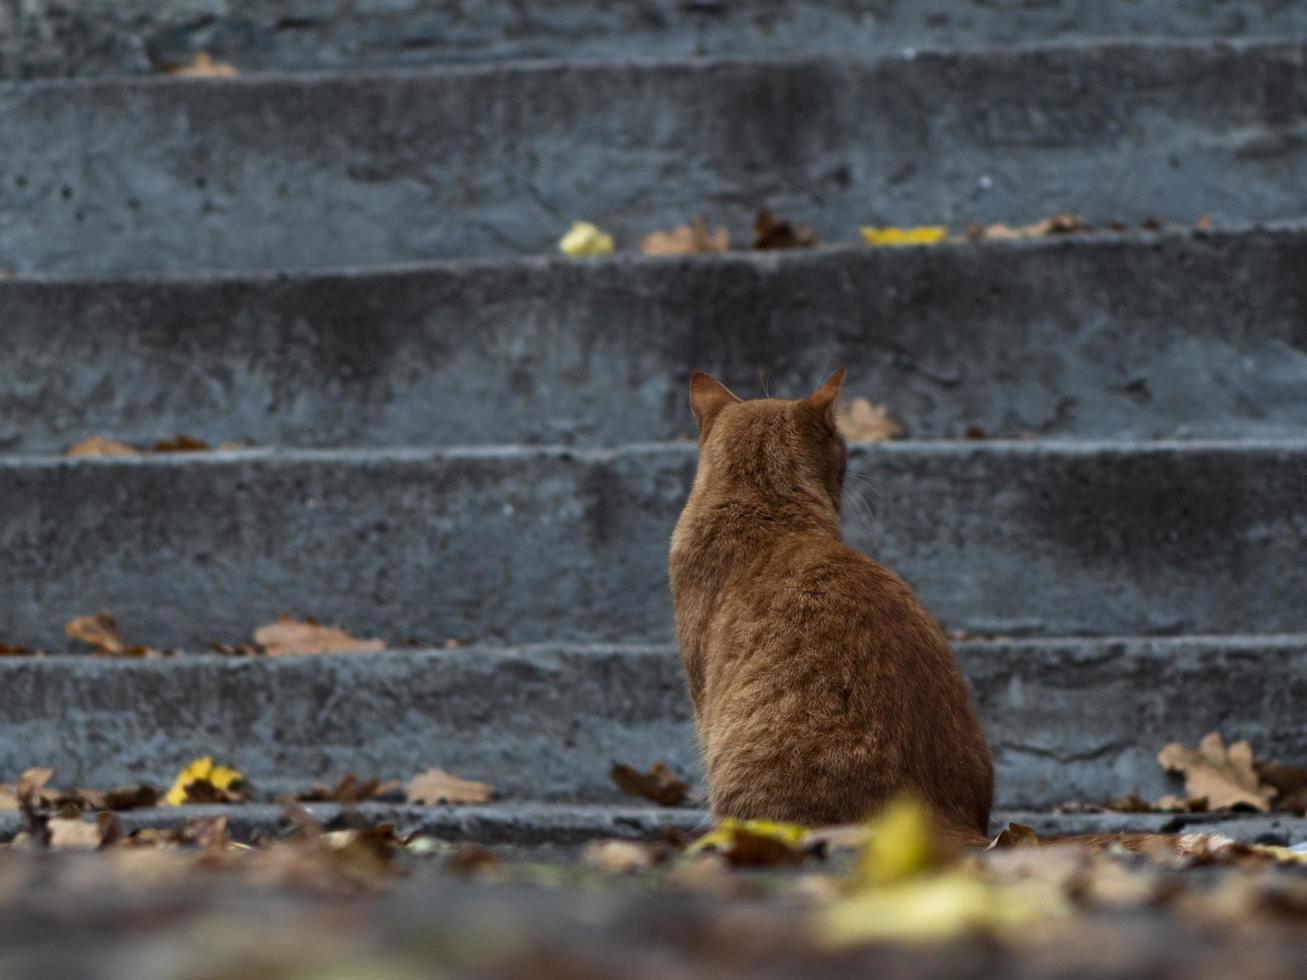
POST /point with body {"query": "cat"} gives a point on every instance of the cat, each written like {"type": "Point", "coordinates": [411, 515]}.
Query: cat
{"type": "Point", "coordinates": [821, 687]}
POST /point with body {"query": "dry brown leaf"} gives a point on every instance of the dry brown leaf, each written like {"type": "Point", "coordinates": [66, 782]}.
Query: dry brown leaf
{"type": "Point", "coordinates": [349, 789]}
{"type": "Point", "coordinates": [181, 444]}
{"type": "Point", "coordinates": [134, 797]}
{"type": "Point", "coordinates": [292, 637]}
{"type": "Point", "coordinates": [101, 633]}
{"type": "Point", "coordinates": [77, 834]}
{"type": "Point", "coordinates": [436, 786]}
{"type": "Point", "coordinates": [864, 422]}
{"type": "Point", "coordinates": [8, 797]}
{"type": "Point", "coordinates": [1058, 224]}
{"type": "Point", "coordinates": [32, 781]}
{"type": "Point", "coordinates": [1131, 803]}
{"type": "Point", "coordinates": [622, 856]}
{"type": "Point", "coordinates": [1225, 777]}
{"type": "Point", "coordinates": [1014, 835]}
{"type": "Point", "coordinates": [1290, 784]}
{"type": "Point", "coordinates": [770, 232]}
{"type": "Point", "coordinates": [99, 446]}
{"type": "Point", "coordinates": [692, 239]}
{"type": "Point", "coordinates": [18, 650]}
{"type": "Point", "coordinates": [1203, 222]}
{"type": "Point", "coordinates": [202, 66]}
{"type": "Point", "coordinates": [659, 784]}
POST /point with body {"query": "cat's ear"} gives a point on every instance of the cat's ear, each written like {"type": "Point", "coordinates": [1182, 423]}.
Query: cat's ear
{"type": "Point", "coordinates": [824, 398]}
{"type": "Point", "coordinates": [708, 396]}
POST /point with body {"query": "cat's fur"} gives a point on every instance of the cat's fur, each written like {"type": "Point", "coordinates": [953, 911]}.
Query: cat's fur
{"type": "Point", "coordinates": [821, 686]}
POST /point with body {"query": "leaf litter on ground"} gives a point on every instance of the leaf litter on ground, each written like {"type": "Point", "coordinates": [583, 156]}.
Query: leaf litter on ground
{"type": "Point", "coordinates": [659, 784]}
{"type": "Point", "coordinates": [435, 786]}
{"type": "Point", "coordinates": [294, 637]}
{"type": "Point", "coordinates": [100, 633]}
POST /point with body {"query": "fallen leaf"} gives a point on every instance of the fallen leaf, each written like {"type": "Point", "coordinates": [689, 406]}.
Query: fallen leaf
{"type": "Point", "coordinates": [203, 782]}
{"type": "Point", "coordinates": [901, 842]}
{"type": "Point", "coordinates": [1171, 803]}
{"type": "Point", "coordinates": [770, 232]}
{"type": "Point", "coordinates": [31, 782]}
{"type": "Point", "coordinates": [585, 239]}
{"type": "Point", "coordinates": [1014, 835]}
{"type": "Point", "coordinates": [235, 650]}
{"type": "Point", "coordinates": [435, 786]}
{"type": "Point", "coordinates": [1132, 803]}
{"type": "Point", "coordinates": [622, 856]}
{"type": "Point", "coordinates": [202, 65]}
{"type": "Point", "coordinates": [934, 908]}
{"type": "Point", "coordinates": [289, 637]}
{"type": "Point", "coordinates": [348, 789]}
{"type": "Point", "coordinates": [1225, 777]}
{"type": "Point", "coordinates": [754, 843]}
{"type": "Point", "coordinates": [100, 632]}
{"type": "Point", "coordinates": [181, 444]}
{"type": "Point", "coordinates": [98, 446]}
{"type": "Point", "coordinates": [1203, 223]}
{"type": "Point", "coordinates": [78, 834]}
{"type": "Point", "coordinates": [134, 797]}
{"type": "Point", "coordinates": [659, 784]}
{"type": "Point", "coordinates": [1290, 784]}
{"type": "Point", "coordinates": [1058, 224]}
{"type": "Point", "coordinates": [18, 650]}
{"type": "Point", "coordinates": [924, 235]}
{"type": "Point", "coordinates": [8, 797]}
{"type": "Point", "coordinates": [692, 239]}
{"type": "Point", "coordinates": [864, 422]}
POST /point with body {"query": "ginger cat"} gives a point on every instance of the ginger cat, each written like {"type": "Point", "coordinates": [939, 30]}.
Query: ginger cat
{"type": "Point", "coordinates": [821, 686]}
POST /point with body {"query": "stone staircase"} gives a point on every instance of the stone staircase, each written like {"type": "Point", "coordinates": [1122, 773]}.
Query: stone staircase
{"type": "Point", "coordinates": [460, 435]}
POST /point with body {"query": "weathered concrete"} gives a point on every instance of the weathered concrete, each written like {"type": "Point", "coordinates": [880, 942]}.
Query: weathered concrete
{"type": "Point", "coordinates": [304, 171]}
{"type": "Point", "coordinates": [1066, 719]}
{"type": "Point", "coordinates": [99, 37]}
{"type": "Point", "coordinates": [523, 545]}
{"type": "Point", "coordinates": [1142, 335]}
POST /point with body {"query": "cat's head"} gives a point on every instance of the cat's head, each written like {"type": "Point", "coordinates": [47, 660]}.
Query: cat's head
{"type": "Point", "coordinates": [769, 444]}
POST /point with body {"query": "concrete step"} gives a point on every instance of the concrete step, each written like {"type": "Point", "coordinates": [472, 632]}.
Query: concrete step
{"type": "Point", "coordinates": [545, 830]}
{"type": "Point", "coordinates": [338, 170]}
{"type": "Point", "coordinates": [1066, 718]}
{"type": "Point", "coordinates": [528, 544]}
{"type": "Point", "coordinates": [111, 37]}
{"type": "Point", "coordinates": [1147, 335]}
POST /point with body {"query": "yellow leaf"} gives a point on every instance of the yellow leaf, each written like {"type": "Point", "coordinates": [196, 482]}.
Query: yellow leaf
{"type": "Point", "coordinates": [934, 908]}
{"type": "Point", "coordinates": [200, 772]}
{"type": "Point", "coordinates": [901, 842]}
{"type": "Point", "coordinates": [585, 239]}
{"type": "Point", "coordinates": [723, 836]}
{"type": "Point", "coordinates": [1282, 854]}
{"type": "Point", "coordinates": [923, 235]}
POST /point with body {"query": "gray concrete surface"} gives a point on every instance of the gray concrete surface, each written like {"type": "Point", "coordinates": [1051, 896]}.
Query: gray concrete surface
{"type": "Point", "coordinates": [522, 545]}
{"type": "Point", "coordinates": [1066, 719]}
{"type": "Point", "coordinates": [322, 170]}
{"type": "Point", "coordinates": [98, 37]}
{"type": "Point", "coordinates": [1145, 335]}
